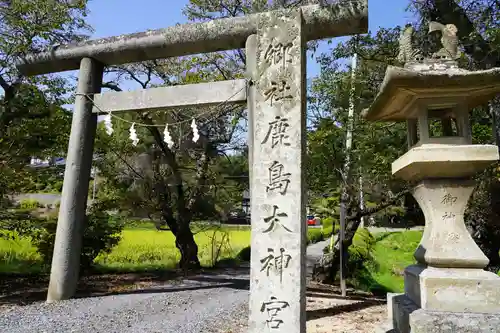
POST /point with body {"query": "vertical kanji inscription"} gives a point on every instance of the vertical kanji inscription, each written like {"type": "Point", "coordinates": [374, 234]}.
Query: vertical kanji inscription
{"type": "Point", "coordinates": [277, 282]}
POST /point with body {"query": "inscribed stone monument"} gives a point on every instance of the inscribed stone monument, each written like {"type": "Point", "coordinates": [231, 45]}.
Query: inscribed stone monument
{"type": "Point", "coordinates": [277, 278]}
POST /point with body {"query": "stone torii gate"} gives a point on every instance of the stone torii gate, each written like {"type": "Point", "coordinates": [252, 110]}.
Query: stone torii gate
{"type": "Point", "coordinates": [276, 65]}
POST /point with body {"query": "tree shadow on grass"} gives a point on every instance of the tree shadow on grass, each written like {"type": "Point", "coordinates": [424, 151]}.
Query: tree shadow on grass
{"type": "Point", "coordinates": [384, 235]}
{"type": "Point", "coordinates": [362, 279]}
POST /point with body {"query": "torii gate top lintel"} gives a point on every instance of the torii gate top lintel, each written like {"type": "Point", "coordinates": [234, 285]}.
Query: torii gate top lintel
{"type": "Point", "coordinates": [340, 19]}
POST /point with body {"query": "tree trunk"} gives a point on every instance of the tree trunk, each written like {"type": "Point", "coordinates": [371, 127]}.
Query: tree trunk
{"type": "Point", "coordinates": [184, 241]}
{"type": "Point", "coordinates": [326, 269]}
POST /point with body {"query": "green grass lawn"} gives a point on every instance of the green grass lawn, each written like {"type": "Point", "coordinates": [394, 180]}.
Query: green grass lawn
{"type": "Point", "coordinates": [18, 256]}
{"type": "Point", "coordinates": [141, 248]}
{"type": "Point", "coordinates": [391, 253]}
{"type": "Point", "coordinates": [144, 248]}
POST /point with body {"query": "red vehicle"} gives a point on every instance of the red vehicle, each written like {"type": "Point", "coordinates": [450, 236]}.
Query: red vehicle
{"type": "Point", "coordinates": [311, 220]}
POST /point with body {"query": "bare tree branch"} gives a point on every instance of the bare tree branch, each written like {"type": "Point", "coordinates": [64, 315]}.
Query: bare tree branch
{"type": "Point", "coordinates": [370, 211]}
{"type": "Point", "coordinates": [112, 86]}
{"type": "Point", "coordinates": [5, 86]}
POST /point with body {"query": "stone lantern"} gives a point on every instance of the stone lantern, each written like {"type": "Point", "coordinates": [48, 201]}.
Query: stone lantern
{"type": "Point", "coordinates": [448, 289]}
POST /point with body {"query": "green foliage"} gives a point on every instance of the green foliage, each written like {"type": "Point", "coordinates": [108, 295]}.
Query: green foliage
{"type": "Point", "coordinates": [33, 121]}
{"type": "Point", "coordinates": [17, 254]}
{"type": "Point", "coordinates": [315, 235]}
{"type": "Point", "coordinates": [244, 254]}
{"type": "Point", "coordinates": [478, 25]}
{"type": "Point", "coordinates": [35, 127]}
{"type": "Point", "coordinates": [390, 255]}
{"type": "Point", "coordinates": [102, 232]}
{"type": "Point", "coordinates": [327, 209]}
{"type": "Point", "coordinates": [191, 180]}
{"type": "Point", "coordinates": [230, 174]}
{"type": "Point", "coordinates": [42, 180]}
{"type": "Point", "coordinates": [360, 250]}
{"type": "Point", "coordinates": [29, 204]}
{"type": "Point", "coordinates": [482, 215]}
{"type": "Point", "coordinates": [328, 222]}
{"type": "Point", "coordinates": [141, 248]}
{"type": "Point", "coordinates": [325, 144]}
{"type": "Point", "coordinates": [330, 225]}
{"type": "Point", "coordinates": [145, 249]}
{"type": "Point", "coordinates": [327, 206]}
{"type": "Point", "coordinates": [203, 10]}
{"type": "Point", "coordinates": [19, 223]}
{"type": "Point", "coordinates": [375, 144]}
{"type": "Point", "coordinates": [362, 244]}
{"type": "Point", "coordinates": [359, 257]}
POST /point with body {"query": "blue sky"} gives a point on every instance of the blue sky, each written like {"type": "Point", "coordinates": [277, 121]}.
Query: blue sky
{"type": "Point", "coordinates": [115, 17]}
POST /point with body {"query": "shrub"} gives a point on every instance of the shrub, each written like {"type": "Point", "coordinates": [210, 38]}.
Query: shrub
{"type": "Point", "coordinates": [314, 236]}
{"type": "Point", "coordinates": [363, 237]}
{"type": "Point", "coordinates": [244, 254]}
{"type": "Point", "coordinates": [327, 222]}
{"type": "Point", "coordinates": [327, 232]}
{"type": "Point", "coordinates": [331, 224]}
{"type": "Point", "coordinates": [102, 232]}
{"type": "Point", "coordinates": [57, 186]}
{"type": "Point", "coordinates": [28, 204]}
{"type": "Point", "coordinates": [360, 250]}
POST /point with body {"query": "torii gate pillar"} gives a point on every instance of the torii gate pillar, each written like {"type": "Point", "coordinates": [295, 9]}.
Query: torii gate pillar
{"type": "Point", "coordinates": [71, 222]}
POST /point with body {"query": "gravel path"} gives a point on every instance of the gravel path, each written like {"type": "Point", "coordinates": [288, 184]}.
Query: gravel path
{"type": "Point", "coordinates": [199, 304]}
{"type": "Point", "coordinates": [314, 252]}
{"type": "Point", "coordinates": [202, 303]}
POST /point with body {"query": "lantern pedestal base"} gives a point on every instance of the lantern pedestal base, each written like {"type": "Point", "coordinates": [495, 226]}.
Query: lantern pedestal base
{"type": "Point", "coordinates": [448, 291]}
{"type": "Point", "coordinates": [453, 290]}
{"type": "Point", "coordinates": [407, 317]}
